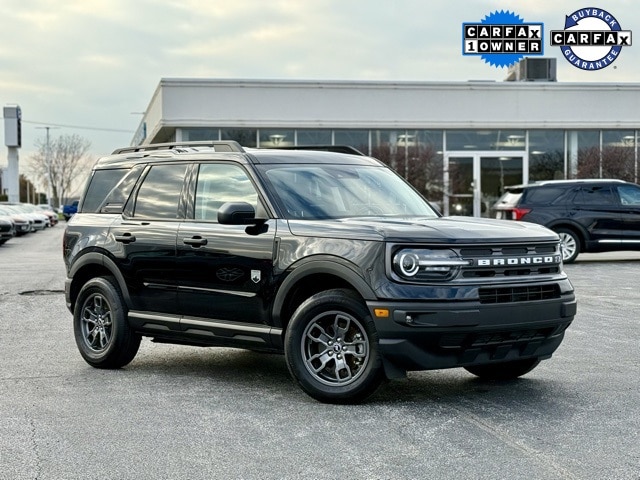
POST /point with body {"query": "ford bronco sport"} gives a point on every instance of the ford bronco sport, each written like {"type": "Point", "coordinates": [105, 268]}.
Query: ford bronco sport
{"type": "Point", "coordinates": [326, 256]}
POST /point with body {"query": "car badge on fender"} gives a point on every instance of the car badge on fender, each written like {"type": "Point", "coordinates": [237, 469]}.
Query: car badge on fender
{"type": "Point", "coordinates": [255, 276]}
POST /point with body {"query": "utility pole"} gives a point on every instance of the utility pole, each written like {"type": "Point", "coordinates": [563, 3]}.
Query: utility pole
{"type": "Point", "coordinates": [47, 161]}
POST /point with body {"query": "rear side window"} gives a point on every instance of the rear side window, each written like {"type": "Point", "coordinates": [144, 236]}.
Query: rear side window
{"type": "Point", "coordinates": [595, 195]}
{"type": "Point", "coordinates": [101, 183]}
{"type": "Point", "coordinates": [159, 194]}
{"type": "Point", "coordinates": [545, 196]}
{"type": "Point", "coordinates": [629, 195]}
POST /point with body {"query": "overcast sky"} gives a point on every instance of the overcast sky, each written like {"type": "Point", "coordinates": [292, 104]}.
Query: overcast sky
{"type": "Point", "coordinates": [88, 66]}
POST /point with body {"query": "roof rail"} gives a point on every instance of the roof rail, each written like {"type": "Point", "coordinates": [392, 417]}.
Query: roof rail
{"type": "Point", "coordinates": [219, 146]}
{"type": "Point", "coordinates": [324, 148]}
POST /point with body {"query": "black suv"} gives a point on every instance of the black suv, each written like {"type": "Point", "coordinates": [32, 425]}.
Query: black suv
{"type": "Point", "coordinates": [326, 256]}
{"type": "Point", "coordinates": [589, 215]}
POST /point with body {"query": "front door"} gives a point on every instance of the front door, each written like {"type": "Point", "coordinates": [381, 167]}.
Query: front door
{"type": "Point", "coordinates": [476, 180]}
{"type": "Point", "coordinates": [224, 271]}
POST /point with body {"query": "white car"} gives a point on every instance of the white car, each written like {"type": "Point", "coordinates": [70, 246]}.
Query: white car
{"type": "Point", "coordinates": [40, 220]}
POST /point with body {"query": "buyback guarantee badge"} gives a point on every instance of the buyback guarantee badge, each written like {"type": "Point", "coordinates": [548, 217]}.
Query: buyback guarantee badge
{"type": "Point", "coordinates": [502, 38]}
{"type": "Point", "coordinates": [592, 38]}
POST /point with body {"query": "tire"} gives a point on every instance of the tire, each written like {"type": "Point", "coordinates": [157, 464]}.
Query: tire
{"type": "Point", "coordinates": [331, 348]}
{"type": "Point", "coordinates": [570, 244]}
{"type": "Point", "coordinates": [504, 370]}
{"type": "Point", "coordinates": [101, 330]}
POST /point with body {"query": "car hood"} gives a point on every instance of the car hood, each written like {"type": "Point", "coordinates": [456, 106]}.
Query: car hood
{"type": "Point", "coordinates": [462, 230]}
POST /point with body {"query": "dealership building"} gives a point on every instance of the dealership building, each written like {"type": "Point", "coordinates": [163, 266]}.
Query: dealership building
{"type": "Point", "coordinates": [459, 143]}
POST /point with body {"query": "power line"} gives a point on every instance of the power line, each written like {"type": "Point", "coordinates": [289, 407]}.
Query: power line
{"type": "Point", "coordinates": [101, 129]}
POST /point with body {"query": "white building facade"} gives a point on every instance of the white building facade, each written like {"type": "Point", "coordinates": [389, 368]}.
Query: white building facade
{"type": "Point", "coordinates": [459, 143]}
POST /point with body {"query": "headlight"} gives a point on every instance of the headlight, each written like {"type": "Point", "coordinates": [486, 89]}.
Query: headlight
{"type": "Point", "coordinates": [415, 264]}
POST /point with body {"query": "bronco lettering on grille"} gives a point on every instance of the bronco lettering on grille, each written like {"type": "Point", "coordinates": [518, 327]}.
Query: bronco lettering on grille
{"type": "Point", "coordinates": [506, 261]}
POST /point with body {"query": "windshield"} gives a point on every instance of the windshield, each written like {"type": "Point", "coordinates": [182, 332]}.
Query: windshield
{"type": "Point", "coordinates": [338, 191]}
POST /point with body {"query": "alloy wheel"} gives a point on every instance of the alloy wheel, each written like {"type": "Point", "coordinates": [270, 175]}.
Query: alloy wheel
{"type": "Point", "coordinates": [96, 322]}
{"type": "Point", "coordinates": [335, 348]}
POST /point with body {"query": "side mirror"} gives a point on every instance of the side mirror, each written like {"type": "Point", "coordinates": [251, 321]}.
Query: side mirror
{"type": "Point", "coordinates": [237, 213]}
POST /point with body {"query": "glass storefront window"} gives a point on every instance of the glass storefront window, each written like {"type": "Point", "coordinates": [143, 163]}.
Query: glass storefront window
{"type": "Point", "coordinates": [355, 138]}
{"type": "Point", "coordinates": [414, 154]}
{"type": "Point", "coordinates": [273, 138]}
{"type": "Point", "coordinates": [244, 136]}
{"type": "Point", "coordinates": [425, 164]}
{"type": "Point", "coordinates": [546, 155]}
{"type": "Point", "coordinates": [618, 154]}
{"type": "Point", "coordinates": [485, 140]}
{"type": "Point", "coordinates": [313, 137]}
{"type": "Point", "coordinates": [385, 146]}
{"type": "Point", "coordinates": [584, 153]}
{"type": "Point", "coordinates": [200, 134]}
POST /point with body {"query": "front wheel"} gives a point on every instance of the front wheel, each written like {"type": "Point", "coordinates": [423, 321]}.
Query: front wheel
{"type": "Point", "coordinates": [102, 333]}
{"type": "Point", "coordinates": [504, 370]}
{"type": "Point", "coordinates": [570, 244]}
{"type": "Point", "coordinates": [331, 348]}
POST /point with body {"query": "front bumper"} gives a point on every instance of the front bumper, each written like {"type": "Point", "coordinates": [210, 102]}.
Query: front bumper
{"type": "Point", "coordinates": [433, 335]}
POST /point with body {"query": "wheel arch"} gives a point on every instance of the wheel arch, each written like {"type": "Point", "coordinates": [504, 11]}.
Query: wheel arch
{"type": "Point", "coordinates": [92, 265]}
{"type": "Point", "coordinates": [574, 227]}
{"type": "Point", "coordinates": [312, 277]}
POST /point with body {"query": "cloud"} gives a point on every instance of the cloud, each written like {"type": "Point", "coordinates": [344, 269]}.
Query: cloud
{"type": "Point", "coordinates": [93, 62]}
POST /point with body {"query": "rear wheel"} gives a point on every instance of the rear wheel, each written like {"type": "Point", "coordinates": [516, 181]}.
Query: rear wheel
{"type": "Point", "coordinates": [504, 370]}
{"type": "Point", "coordinates": [102, 333]}
{"type": "Point", "coordinates": [331, 348]}
{"type": "Point", "coordinates": [570, 244]}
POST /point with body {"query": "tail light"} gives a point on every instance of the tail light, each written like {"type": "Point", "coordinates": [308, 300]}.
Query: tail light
{"type": "Point", "coordinates": [518, 213]}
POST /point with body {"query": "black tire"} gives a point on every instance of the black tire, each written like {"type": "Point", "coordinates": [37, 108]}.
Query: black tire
{"type": "Point", "coordinates": [504, 370]}
{"type": "Point", "coordinates": [101, 330]}
{"type": "Point", "coordinates": [570, 244]}
{"type": "Point", "coordinates": [331, 348]}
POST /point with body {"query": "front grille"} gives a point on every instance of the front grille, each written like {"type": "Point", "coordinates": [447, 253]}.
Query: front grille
{"type": "Point", "coordinates": [510, 261]}
{"type": "Point", "coordinates": [519, 294]}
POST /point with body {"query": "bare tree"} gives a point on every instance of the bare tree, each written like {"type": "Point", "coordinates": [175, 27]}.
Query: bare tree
{"type": "Point", "coordinates": [60, 164]}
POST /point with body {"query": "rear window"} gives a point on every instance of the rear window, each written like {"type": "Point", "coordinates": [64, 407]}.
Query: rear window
{"type": "Point", "coordinates": [510, 199]}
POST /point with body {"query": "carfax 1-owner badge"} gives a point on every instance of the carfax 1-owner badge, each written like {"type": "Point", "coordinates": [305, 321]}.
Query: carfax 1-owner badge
{"type": "Point", "coordinates": [592, 38]}
{"type": "Point", "coordinates": [502, 38]}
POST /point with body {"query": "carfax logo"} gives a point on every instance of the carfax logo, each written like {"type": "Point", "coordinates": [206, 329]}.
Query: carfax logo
{"type": "Point", "coordinates": [502, 38]}
{"type": "Point", "coordinates": [592, 38]}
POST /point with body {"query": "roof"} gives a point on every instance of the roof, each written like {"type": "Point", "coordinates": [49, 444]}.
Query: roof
{"type": "Point", "coordinates": [229, 150]}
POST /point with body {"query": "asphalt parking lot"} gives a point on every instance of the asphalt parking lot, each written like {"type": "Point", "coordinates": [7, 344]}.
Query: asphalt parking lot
{"type": "Point", "coordinates": [188, 413]}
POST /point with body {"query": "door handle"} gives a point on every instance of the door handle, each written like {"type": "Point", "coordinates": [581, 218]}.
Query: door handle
{"type": "Point", "coordinates": [125, 238]}
{"type": "Point", "coordinates": [196, 241]}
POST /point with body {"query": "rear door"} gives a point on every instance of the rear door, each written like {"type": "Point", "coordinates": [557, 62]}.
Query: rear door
{"type": "Point", "coordinates": [598, 210]}
{"type": "Point", "coordinates": [144, 238]}
{"type": "Point", "coordinates": [224, 271]}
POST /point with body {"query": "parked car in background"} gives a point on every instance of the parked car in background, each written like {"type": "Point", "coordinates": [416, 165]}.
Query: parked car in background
{"type": "Point", "coordinates": [69, 210]}
{"type": "Point", "coordinates": [21, 223]}
{"type": "Point", "coordinates": [7, 229]}
{"type": "Point", "coordinates": [589, 215]}
{"type": "Point", "coordinates": [39, 221]}
{"type": "Point", "coordinates": [53, 216]}
{"type": "Point", "coordinates": [46, 206]}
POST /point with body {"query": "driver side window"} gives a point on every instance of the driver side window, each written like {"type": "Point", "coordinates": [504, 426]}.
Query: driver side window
{"type": "Point", "coordinates": [219, 183]}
